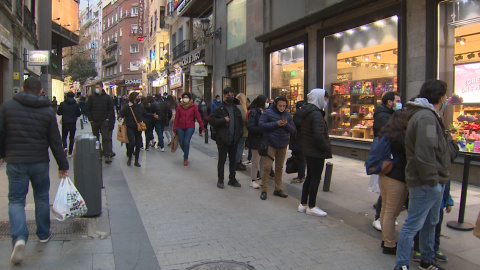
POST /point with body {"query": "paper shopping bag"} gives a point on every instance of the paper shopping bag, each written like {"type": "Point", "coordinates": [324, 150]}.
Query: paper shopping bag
{"type": "Point", "coordinates": [174, 143]}
{"type": "Point", "coordinates": [122, 133]}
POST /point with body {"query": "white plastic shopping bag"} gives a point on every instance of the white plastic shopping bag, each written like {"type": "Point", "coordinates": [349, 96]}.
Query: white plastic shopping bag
{"type": "Point", "coordinates": [373, 185]}
{"type": "Point", "coordinates": [68, 201]}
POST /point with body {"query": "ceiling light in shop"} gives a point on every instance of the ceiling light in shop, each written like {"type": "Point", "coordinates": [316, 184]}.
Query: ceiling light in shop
{"type": "Point", "coordinates": [347, 61]}
{"type": "Point", "coordinates": [284, 51]}
{"type": "Point", "coordinates": [302, 70]}
{"type": "Point", "coordinates": [463, 41]}
{"type": "Point", "coordinates": [470, 56]}
{"type": "Point", "coordinates": [375, 66]}
{"type": "Point", "coordinates": [366, 58]}
{"type": "Point", "coordinates": [394, 18]}
{"type": "Point", "coordinates": [291, 48]}
{"type": "Point", "coordinates": [459, 57]}
{"type": "Point", "coordinates": [300, 46]}
{"type": "Point", "coordinates": [364, 27]}
{"type": "Point", "coordinates": [351, 31]}
{"type": "Point", "coordinates": [284, 69]}
{"type": "Point", "coordinates": [377, 55]}
{"type": "Point", "coordinates": [380, 23]}
{"type": "Point", "coordinates": [387, 66]}
{"type": "Point", "coordinates": [338, 35]}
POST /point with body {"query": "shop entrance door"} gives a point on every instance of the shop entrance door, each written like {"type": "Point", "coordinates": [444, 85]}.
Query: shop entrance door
{"type": "Point", "coordinates": [238, 83]}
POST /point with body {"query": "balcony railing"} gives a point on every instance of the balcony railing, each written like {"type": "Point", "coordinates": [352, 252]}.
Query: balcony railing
{"type": "Point", "coordinates": [19, 9]}
{"type": "Point", "coordinates": [111, 44]}
{"type": "Point", "coordinates": [181, 49]}
{"type": "Point", "coordinates": [163, 25]}
{"type": "Point", "coordinates": [64, 31]}
{"type": "Point", "coordinates": [8, 3]}
{"type": "Point", "coordinates": [109, 61]}
{"type": "Point", "coordinates": [29, 23]}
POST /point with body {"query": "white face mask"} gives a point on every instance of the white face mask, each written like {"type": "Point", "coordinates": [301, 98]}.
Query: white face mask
{"type": "Point", "coordinates": [186, 100]}
{"type": "Point", "coordinates": [97, 90]}
{"type": "Point", "coordinates": [267, 105]}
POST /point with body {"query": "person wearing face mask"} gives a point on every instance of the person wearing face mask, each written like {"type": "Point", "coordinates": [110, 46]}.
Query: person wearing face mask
{"type": "Point", "coordinates": [428, 159]}
{"type": "Point", "coordinates": [99, 106]}
{"type": "Point", "coordinates": [390, 103]}
{"type": "Point", "coordinates": [204, 113]}
{"type": "Point", "coordinates": [276, 123]}
{"type": "Point", "coordinates": [216, 102]}
{"type": "Point", "coordinates": [184, 124]}
{"type": "Point", "coordinates": [227, 121]}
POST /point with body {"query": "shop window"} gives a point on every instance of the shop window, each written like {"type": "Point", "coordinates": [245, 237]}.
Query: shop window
{"type": "Point", "coordinates": [236, 23]}
{"type": "Point", "coordinates": [459, 60]}
{"type": "Point", "coordinates": [287, 69]}
{"type": "Point", "coordinates": [360, 64]}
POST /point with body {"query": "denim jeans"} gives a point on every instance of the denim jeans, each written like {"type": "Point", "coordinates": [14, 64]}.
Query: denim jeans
{"type": "Point", "coordinates": [19, 176]}
{"type": "Point", "coordinates": [241, 145]}
{"type": "Point", "coordinates": [423, 215]}
{"type": "Point", "coordinates": [159, 127]}
{"type": "Point", "coordinates": [184, 137]}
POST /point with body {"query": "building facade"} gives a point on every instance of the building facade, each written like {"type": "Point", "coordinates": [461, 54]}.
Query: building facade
{"type": "Point", "coordinates": [122, 46]}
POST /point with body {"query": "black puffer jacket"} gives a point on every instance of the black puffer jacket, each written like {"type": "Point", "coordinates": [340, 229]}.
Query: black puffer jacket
{"type": "Point", "coordinates": [140, 114]}
{"type": "Point", "coordinates": [255, 133]}
{"type": "Point", "coordinates": [316, 142]}
{"type": "Point", "coordinates": [28, 126]}
{"type": "Point", "coordinates": [398, 151]}
{"type": "Point", "coordinates": [276, 136]}
{"type": "Point", "coordinates": [296, 138]}
{"type": "Point", "coordinates": [163, 111]}
{"type": "Point", "coordinates": [69, 110]}
{"type": "Point", "coordinates": [380, 118]}
{"type": "Point", "coordinates": [217, 120]}
{"type": "Point", "coordinates": [99, 107]}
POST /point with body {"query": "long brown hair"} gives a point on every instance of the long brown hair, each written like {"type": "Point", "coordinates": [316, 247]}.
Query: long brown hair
{"type": "Point", "coordinates": [396, 126]}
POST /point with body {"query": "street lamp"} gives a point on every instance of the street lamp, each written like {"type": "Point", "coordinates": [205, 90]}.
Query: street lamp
{"type": "Point", "coordinates": [206, 27]}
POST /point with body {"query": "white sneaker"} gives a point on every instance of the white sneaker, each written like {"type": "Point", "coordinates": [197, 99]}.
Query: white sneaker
{"type": "Point", "coordinates": [315, 212]}
{"type": "Point", "coordinates": [254, 184]}
{"type": "Point", "coordinates": [17, 253]}
{"type": "Point", "coordinates": [162, 149]}
{"type": "Point", "coordinates": [377, 225]}
{"type": "Point", "coordinates": [301, 208]}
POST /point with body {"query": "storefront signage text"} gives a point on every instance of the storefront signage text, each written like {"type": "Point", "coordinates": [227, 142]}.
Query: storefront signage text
{"type": "Point", "coordinates": [141, 7]}
{"type": "Point", "coordinates": [176, 81]}
{"type": "Point", "coordinates": [467, 82]}
{"type": "Point", "coordinates": [182, 6]}
{"type": "Point", "coordinates": [39, 58]}
{"type": "Point", "coordinates": [345, 77]}
{"type": "Point", "coordinates": [133, 81]}
{"type": "Point", "coordinates": [192, 57]}
{"type": "Point", "coordinates": [199, 71]}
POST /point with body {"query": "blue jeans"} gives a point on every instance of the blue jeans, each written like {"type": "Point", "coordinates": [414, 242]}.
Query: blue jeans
{"type": "Point", "coordinates": [241, 145]}
{"type": "Point", "coordinates": [184, 137]}
{"type": "Point", "coordinates": [159, 127]}
{"type": "Point", "coordinates": [423, 215]}
{"type": "Point", "coordinates": [19, 176]}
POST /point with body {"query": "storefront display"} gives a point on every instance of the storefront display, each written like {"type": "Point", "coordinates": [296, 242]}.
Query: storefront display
{"type": "Point", "coordinates": [361, 65]}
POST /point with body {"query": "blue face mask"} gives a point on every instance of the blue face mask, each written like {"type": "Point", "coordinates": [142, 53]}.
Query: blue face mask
{"type": "Point", "coordinates": [397, 107]}
{"type": "Point", "coordinates": [444, 105]}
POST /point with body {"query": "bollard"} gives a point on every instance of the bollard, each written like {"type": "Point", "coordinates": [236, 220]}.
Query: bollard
{"type": "Point", "coordinates": [206, 135]}
{"type": "Point", "coordinates": [81, 123]}
{"type": "Point", "coordinates": [328, 176]}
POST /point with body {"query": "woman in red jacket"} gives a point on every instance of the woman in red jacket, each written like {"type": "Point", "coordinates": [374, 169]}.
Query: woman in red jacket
{"type": "Point", "coordinates": [184, 125]}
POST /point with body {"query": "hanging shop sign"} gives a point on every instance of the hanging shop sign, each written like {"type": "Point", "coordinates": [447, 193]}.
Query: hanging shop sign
{"type": "Point", "coordinates": [344, 77]}
{"type": "Point", "coordinates": [39, 58]}
{"type": "Point", "coordinates": [132, 81]}
{"type": "Point", "coordinates": [5, 44]}
{"type": "Point", "coordinates": [182, 6]}
{"type": "Point", "coordinates": [176, 80]}
{"type": "Point", "coordinates": [199, 71]}
{"type": "Point", "coordinates": [193, 57]}
{"type": "Point", "coordinates": [141, 8]}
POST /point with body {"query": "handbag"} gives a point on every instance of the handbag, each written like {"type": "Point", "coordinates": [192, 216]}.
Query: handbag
{"type": "Point", "coordinates": [140, 126]}
{"type": "Point", "coordinates": [122, 133]}
{"type": "Point", "coordinates": [174, 143]}
{"type": "Point", "coordinates": [373, 184]}
{"type": "Point", "coordinates": [68, 203]}
{"type": "Point", "coordinates": [291, 165]}
{"type": "Point", "coordinates": [263, 150]}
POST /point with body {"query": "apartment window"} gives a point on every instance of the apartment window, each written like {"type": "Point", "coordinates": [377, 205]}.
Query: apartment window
{"type": "Point", "coordinates": [120, 68]}
{"type": "Point", "coordinates": [121, 32]}
{"type": "Point", "coordinates": [133, 66]}
{"type": "Point", "coordinates": [134, 11]}
{"type": "Point", "coordinates": [134, 29]}
{"type": "Point", "coordinates": [120, 13]}
{"type": "Point", "coordinates": [134, 48]}
{"type": "Point", "coordinates": [174, 40]}
{"type": "Point", "coordinates": [156, 19]}
{"type": "Point", "coordinates": [115, 70]}
{"type": "Point", "coordinates": [116, 16]}
{"type": "Point", "coordinates": [103, 73]}
{"type": "Point", "coordinates": [180, 35]}
{"type": "Point", "coordinates": [151, 26]}
{"type": "Point", "coordinates": [119, 50]}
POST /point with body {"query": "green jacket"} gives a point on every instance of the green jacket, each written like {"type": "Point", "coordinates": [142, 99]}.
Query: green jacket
{"type": "Point", "coordinates": [428, 156]}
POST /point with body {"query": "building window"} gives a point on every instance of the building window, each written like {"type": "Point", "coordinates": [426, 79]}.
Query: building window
{"type": "Point", "coordinates": [134, 11]}
{"type": "Point", "coordinates": [134, 66]}
{"type": "Point", "coordinates": [236, 23]}
{"type": "Point", "coordinates": [134, 29]}
{"type": "Point", "coordinates": [134, 48]}
{"type": "Point", "coordinates": [121, 32]}
{"type": "Point", "coordinates": [120, 68]}
{"type": "Point", "coordinates": [360, 65]}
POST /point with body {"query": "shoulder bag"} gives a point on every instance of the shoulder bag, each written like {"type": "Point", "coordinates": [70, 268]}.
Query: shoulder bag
{"type": "Point", "coordinates": [140, 126]}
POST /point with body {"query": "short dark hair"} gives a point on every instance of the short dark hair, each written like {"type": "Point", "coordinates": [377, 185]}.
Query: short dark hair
{"type": "Point", "coordinates": [100, 84]}
{"type": "Point", "coordinates": [217, 96]}
{"type": "Point", "coordinates": [389, 96]}
{"type": "Point", "coordinates": [158, 97]}
{"type": "Point", "coordinates": [70, 94]}
{"type": "Point", "coordinates": [133, 96]}
{"type": "Point", "coordinates": [32, 85]}
{"type": "Point", "coordinates": [259, 102]}
{"type": "Point", "coordinates": [280, 98]}
{"type": "Point", "coordinates": [433, 90]}
{"type": "Point", "coordinates": [187, 94]}
{"type": "Point", "coordinates": [228, 90]}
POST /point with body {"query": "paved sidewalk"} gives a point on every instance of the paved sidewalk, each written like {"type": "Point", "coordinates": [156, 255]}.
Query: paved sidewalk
{"type": "Point", "coordinates": [171, 216]}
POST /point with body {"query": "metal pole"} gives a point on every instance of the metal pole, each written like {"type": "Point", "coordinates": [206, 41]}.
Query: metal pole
{"type": "Point", "coordinates": [328, 176]}
{"type": "Point", "coordinates": [206, 135]}
{"type": "Point", "coordinates": [460, 225]}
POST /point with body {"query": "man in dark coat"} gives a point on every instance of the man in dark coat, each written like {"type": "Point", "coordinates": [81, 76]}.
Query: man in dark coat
{"type": "Point", "coordinates": [227, 121]}
{"type": "Point", "coordinates": [99, 107]}
{"type": "Point", "coordinates": [70, 111]}
{"type": "Point", "coordinates": [28, 127]}
{"type": "Point", "coordinates": [164, 113]}
{"type": "Point", "coordinates": [296, 145]}
{"type": "Point", "coordinates": [390, 103]}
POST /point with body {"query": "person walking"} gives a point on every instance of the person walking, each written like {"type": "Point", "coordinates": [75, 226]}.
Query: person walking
{"type": "Point", "coordinates": [70, 111]}
{"type": "Point", "coordinates": [276, 123]}
{"type": "Point", "coordinates": [172, 105]}
{"type": "Point", "coordinates": [296, 145]}
{"type": "Point", "coordinates": [134, 113]}
{"type": "Point", "coordinates": [205, 114]}
{"type": "Point", "coordinates": [184, 124]}
{"type": "Point", "coordinates": [392, 185]}
{"type": "Point", "coordinates": [241, 144]}
{"type": "Point", "coordinates": [390, 103]}
{"type": "Point", "coordinates": [161, 108]}
{"type": "Point", "coordinates": [149, 121]}
{"type": "Point", "coordinates": [99, 106]}
{"type": "Point", "coordinates": [216, 102]}
{"type": "Point", "coordinates": [54, 103]}
{"type": "Point", "coordinates": [255, 137]}
{"type": "Point", "coordinates": [227, 121]}
{"type": "Point", "coordinates": [316, 148]}
{"type": "Point", "coordinates": [28, 127]}
{"type": "Point", "coordinates": [428, 158]}
{"type": "Point", "coordinates": [83, 109]}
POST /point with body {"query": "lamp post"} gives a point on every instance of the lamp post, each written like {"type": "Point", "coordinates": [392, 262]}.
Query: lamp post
{"type": "Point", "coordinates": [206, 27]}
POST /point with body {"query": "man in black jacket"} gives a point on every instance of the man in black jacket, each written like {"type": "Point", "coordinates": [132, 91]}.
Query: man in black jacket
{"type": "Point", "coordinates": [99, 106]}
{"type": "Point", "coordinates": [70, 111]}
{"type": "Point", "coordinates": [28, 127]}
{"type": "Point", "coordinates": [227, 120]}
{"type": "Point", "coordinates": [164, 113]}
{"type": "Point", "coordinates": [390, 103]}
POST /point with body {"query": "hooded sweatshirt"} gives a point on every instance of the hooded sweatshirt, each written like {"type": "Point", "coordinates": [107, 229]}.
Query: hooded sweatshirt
{"type": "Point", "coordinates": [69, 110]}
{"type": "Point", "coordinates": [316, 97]}
{"type": "Point", "coordinates": [428, 156]}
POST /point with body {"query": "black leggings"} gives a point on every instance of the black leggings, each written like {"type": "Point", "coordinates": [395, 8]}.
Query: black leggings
{"type": "Point", "coordinates": [312, 181]}
{"type": "Point", "coordinates": [134, 142]}
{"type": "Point", "coordinates": [68, 129]}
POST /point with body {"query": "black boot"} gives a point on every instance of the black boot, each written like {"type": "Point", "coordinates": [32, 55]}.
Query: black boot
{"type": "Point", "coordinates": [220, 184]}
{"type": "Point", "coordinates": [129, 161]}
{"type": "Point", "coordinates": [136, 164]}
